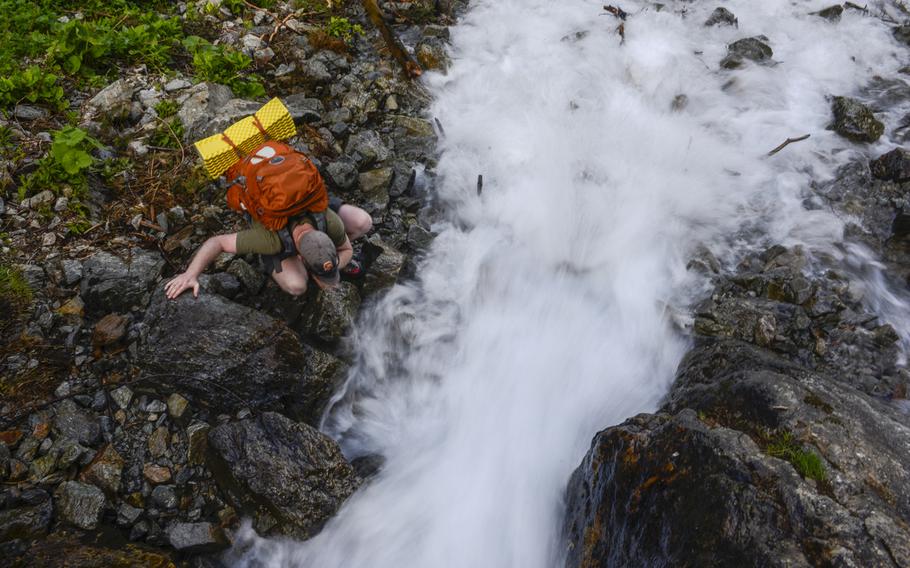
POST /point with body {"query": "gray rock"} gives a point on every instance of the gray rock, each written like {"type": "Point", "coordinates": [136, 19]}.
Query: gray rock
{"type": "Point", "coordinates": [110, 284]}
{"type": "Point", "coordinates": [69, 453]}
{"type": "Point", "coordinates": [751, 48]}
{"type": "Point", "coordinates": [72, 271]}
{"type": "Point", "coordinates": [316, 72]}
{"type": "Point", "coordinates": [177, 85]}
{"type": "Point", "coordinates": [248, 359]}
{"type": "Point", "coordinates": [75, 423]}
{"type": "Point", "coordinates": [105, 471]}
{"type": "Point", "coordinates": [722, 17]}
{"type": "Point", "coordinates": [157, 442]}
{"type": "Point", "coordinates": [176, 405]}
{"type": "Point", "coordinates": [34, 275]}
{"type": "Point", "coordinates": [127, 515]}
{"type": "Point", "coordinates": [303, 109]}
{"type": "Point", "coordinates": [199, 105]}
{"type": "Point", "coordinates": [854, 121]}
{"type": "Point", "coordinates": [164, 497]}
{"type": "Point", "coordinates": [831, 13]}
{"type": "Point", "coordinates": [291, 469]}
{"type": "Point", "coordinates": [38, 200]}
{"type": "Point", "coordinates": [115, 100]}
{"type": "Point", "coordinates": [197, 443]}
{"type": "Point", "coordinates": [902, 34]}
{"type": "Point", "coordinates": [225, 284]}
{"type": "Point", "coordinates": [385, 265]}
{"type": "Point", "coordinates": [196, 538]}
{"type": "Point", "coordinates": [122, 396]}
{"type": "Point", "coordinates": [28, 112]}
{"type": "Point", "coordinates": [330, 313]}
{"type": "Point", "coordinates": [80, 504]}
{"type": "Point", "coordinates": [253, 280]}
{"type": "Point", "coordinates": [893, 166]}
{"type": "Point", "coordinates": [374, 185]}
{"type": "Point", "coordinates": [418, 237]}
{"type": "Point", "coordinates": [366, 148]}
{"type": "Point", "coordinates": [432, 54]}
{"type": "Point", "coordinates": [342, 173]}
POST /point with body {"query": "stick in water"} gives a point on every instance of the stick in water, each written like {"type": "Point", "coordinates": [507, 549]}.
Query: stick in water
{"type": "Point", "coordinates": [787, 142]}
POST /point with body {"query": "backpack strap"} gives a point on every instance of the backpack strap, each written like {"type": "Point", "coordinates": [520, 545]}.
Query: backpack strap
{"type": "Point", "coordinates": [273, 262]}
{"type": "Point", "coordinates": [230, 143]}
{"type": "Point", "coordinates": [319, 219]}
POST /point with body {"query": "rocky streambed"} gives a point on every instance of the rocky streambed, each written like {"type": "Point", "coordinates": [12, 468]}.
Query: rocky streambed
{"type": "Point", "coordinates": [164, 423]}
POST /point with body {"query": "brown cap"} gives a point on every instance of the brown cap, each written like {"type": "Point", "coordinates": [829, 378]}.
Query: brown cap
{"type": "Point", "coordinates": [319, 256]}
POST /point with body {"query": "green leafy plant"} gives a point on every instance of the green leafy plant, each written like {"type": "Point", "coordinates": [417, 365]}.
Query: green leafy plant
{"type": "Point", "coordinates": [343, 29]}
{"type": "Point", "coordinates": [168, 134]}
{"type": "Point", "coordinates": [66, 163]}
{"type": "Point", "coordinates": [225, 65]}
{"type": "Point", "coordinates": [13, 287]}
{"type": "Point", "coordinates": [31, 84]}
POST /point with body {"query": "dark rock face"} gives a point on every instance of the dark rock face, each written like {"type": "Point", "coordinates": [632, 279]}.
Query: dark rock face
{"type": "Point", "coordinates": [751, 48]}
{"type": "Point", "coordinates": [831, 13]}
{"type": "Point", "coordinates": [227, 355]}
{"type": "Point", "coordinates": [110, 284]}
{"type": "Point", "coordinates": [781, 442]}
{"type": "Point", "coordinates": [287, 475]}
{"type": "Point", "coordinates": [854, 121]}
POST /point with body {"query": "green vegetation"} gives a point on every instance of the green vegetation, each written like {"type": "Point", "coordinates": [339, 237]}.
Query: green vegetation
{"type": "Point", "coordinates": [167, 108]}
{"type": "Point", "coordinates": [225, 65]}
{"type": "Point", "coordinates": [66, 163]}
{"type": "Point", "coordinates": [343, 29]}
{"type": "Point", "coordinates": [168, 134]}
{"type": "Point", "coordinates": [807, 463]}
{"type": "Point", "coordinates": [14, 289]}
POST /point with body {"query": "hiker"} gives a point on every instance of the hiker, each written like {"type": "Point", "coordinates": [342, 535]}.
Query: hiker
{"type": "Point", "coordinates": [320, 254]}
{"type": "Point", "coordinates": [299, 231]}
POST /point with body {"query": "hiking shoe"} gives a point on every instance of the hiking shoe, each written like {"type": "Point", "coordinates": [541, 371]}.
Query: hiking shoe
{"type": "Point", "coordinates": [352, 270]}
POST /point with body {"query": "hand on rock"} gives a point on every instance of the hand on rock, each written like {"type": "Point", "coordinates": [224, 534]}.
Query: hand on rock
{"type": "Point", "coordinates": [181, 283]}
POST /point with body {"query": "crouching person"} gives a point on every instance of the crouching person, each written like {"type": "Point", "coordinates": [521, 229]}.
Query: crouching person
{"type": "Point", "coordinates": [312, 246]}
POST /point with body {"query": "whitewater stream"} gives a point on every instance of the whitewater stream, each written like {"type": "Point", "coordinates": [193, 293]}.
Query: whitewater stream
{"type": "Point", "coordinates": [555, 304]}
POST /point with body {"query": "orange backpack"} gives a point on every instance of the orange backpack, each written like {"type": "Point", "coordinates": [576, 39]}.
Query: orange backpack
{"type": "Point", "coordinates": [275, 182]}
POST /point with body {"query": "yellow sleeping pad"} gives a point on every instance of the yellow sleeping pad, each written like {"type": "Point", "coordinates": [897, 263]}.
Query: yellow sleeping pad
{"type": "Point", "coordinates": [221, 151]}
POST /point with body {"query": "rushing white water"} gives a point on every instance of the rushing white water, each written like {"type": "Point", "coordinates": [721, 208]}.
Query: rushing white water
{"type": "Point", "coordinates": [547, 317]}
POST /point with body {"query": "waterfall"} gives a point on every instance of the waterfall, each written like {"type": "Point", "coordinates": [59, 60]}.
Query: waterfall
{"type": "Point", "coordinates": [554, 304]}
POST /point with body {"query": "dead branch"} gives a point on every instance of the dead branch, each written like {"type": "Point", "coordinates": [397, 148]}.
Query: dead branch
{"type": "Point", "coordinates": [410, 67]}
{"type": "Point", "coordinates": [786, 143]}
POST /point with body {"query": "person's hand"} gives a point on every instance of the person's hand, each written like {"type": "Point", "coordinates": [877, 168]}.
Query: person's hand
{"type": "Point", "coordinates": [181, 283]}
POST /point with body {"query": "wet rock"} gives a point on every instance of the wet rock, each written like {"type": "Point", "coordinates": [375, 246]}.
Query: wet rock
{"type": "Point", "coordinates": [751, 48]}
{"type": "Point", "coordinates": [112, 284]}
{"type": "Point", "coordinates": [157, 442]}
{"type": "Point", "coordinates": [25, 521]}
{"type": "Point", "coordinates": [752, 457]}
{"type": "Point", "coordinates": [156, 473]}
{"type": "Point", "coordinates": [80, 504]}
{"type": "Point", "coordinates": [432, 54]}
{"type": "Point", "coordinates": [29, 113]}
{"type": "Point", "coordinates": [854, 121]}
{"type": "Point", "coordinates": [902, 34]}
{"type": "Point", "coordinates": [374, 185]}
{"type": "Point", "coordinates": [176, 405]}
{"type": "Point", "coordinates": [122, 396]}
{"type": "Point", "coordinates": [329, 313]}
{"type": "Point", "coordinates": [127, 515]}
{"type": "Point", "coordinates": [109, 330]}
{"type": "Point", "coordinates": [385, 264]}
{"type": "Point", "coordinates": [831, 13]}
{"type": "Point", "coordinates": [342, 173]}
{"type": "Point", "coordinates": [197, 435]}
{"type": "Point", "coordinates": [892, 166]}
{"type": "Point", "coordinates": [252, 279]}
{"type": "Point", "coordinates": [105, 471]}
{"type": "Point", "coordinates": [225, 284]}
{"type": "Point", "coordinates": [196, 538]}
{"type": "Point", "coordinates": [73, 422]}
{"type": "Point", "coordinates": [69, 551]}
{"type": "Point", "coordinates": [200, 103]}
{"type": "Point", "coordinates": [164, 497]}
{"type": "Point", "coordinates": [247, 360]}
{"type": "Point", "coordinates": [366, 148]}
{"type": "Point", "coordinates": [294, 472]}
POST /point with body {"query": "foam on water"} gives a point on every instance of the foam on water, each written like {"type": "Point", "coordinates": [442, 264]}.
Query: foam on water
{"type": "Point", "coordinates": [546, 318]}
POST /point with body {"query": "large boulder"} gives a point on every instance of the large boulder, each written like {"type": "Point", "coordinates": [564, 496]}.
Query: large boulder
{"type": "Point", "coordinates": [112, 284]}
{"type": "Point", "coordinates": [753, 49]}
{"type": "Point", "coordinates": [286, 475]}
{"type": "Point", "coordinates": [227, 356]}
{"type": "Point", "coordinates": [199, 105]}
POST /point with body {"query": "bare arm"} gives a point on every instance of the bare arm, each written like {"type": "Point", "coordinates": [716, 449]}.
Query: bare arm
{"type": "Point", "coordinates": [208, 252]}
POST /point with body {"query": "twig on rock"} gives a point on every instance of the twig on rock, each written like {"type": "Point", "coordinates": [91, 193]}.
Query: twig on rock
{"type": "Point", "coordinates": [787, 142]}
